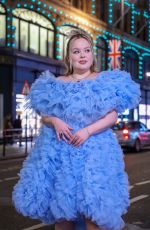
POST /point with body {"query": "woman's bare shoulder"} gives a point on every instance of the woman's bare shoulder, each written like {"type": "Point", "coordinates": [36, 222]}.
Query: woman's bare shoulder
{"type": "Point", "coordinates": [63, 78]}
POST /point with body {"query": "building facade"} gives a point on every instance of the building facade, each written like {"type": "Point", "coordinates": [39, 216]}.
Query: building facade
{"type": "Point", "coordinates": [33, 39]}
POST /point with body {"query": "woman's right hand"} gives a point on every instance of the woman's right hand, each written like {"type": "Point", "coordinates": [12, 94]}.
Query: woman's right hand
{"type": "Point", "coordinates": [63, 130]}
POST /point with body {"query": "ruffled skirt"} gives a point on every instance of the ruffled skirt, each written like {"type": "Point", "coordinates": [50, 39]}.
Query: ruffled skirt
{"type": "Point", "coordinates": [61, 182]}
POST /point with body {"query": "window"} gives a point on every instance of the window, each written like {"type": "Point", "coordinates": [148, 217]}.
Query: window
{"type": "Point", "coordinates": [34, 38]}
{"type": "Point", "coordinates": [62, 40]}
{"type": "Point", "coordinates": [101, 54]}
{"type": "Point", "coordinates": [16, 29]}
{"type": "Point", "coordinates": [131, 63]}
{"type": "Point", "coordinates": [146, 67]}
{"type": "Point", "coordinates": [2, 26]}
{"type": "Point", "coordinates": [75, 3]}
{"type": "Point", "coordinates": [24, 35]}
{"type": "Point", "coordinates": [43, 41]}
{"type": "Point", "coordinates": [100, 9]}
{"type": "Point", "coordinates": [80, 4]}
{"type": "Point", "coordinates": [33, 32]}
{"type": "Point", "coordinates": [143, 127]}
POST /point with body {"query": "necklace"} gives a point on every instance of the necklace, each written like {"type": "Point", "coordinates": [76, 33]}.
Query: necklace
{"type": "Point", "coordinates": [79, 79]}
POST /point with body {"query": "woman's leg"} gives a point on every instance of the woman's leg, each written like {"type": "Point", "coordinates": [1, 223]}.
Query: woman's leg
{"type": "Point", "coordinates": [91, 226]}
{"type": "Point", "coordinates": [65, 225]}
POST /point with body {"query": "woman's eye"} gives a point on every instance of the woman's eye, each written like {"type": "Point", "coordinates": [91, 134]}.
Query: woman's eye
{"type": "Point", "coordinates": [76, 52]}
{"type": "Point", "coordinates": [87, 50]}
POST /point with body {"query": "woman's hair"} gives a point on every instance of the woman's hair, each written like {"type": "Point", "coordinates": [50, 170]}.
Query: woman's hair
{"type": "Point", "coordinates": [76, 34]}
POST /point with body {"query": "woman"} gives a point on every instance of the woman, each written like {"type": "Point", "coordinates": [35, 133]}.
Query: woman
{"type": "Point", "coordinates": [76, 170]}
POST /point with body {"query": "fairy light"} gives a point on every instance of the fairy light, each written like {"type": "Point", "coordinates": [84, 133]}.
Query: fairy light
{"type": "Point", "coordinates": [132, 19]}
{"type": "Point", "coordinates": [93, 7]}
{"type": "Point", "coordinates": [110, 10]}
{"type": "Point", "coordinates": [48, 10]}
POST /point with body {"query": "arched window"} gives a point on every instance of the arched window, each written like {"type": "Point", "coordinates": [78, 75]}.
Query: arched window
{"type": "Point", "coordinates": [33, 32]}
{"type": "Point", "coordinates": [2, 26]}
{"type": "Point", "coordinates": [79, 4]}
{"type": "Point", "coordinates": [75, 3]}
{"type": "Point", "coordinates": [101, 10]}
{"type": "Point", "coordinates": [131, 63]}
{"type": "Point", "coordinates": [101, 54]}
{"type": "Point", "coordinates": [62, 39]}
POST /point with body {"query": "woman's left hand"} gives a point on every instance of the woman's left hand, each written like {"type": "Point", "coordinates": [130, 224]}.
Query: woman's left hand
{"type": "Point", "coordinates": [79, 137]}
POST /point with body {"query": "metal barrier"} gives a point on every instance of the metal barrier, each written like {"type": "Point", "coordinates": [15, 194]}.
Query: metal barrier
{"type": "Point", "coordinates": [22, 137]}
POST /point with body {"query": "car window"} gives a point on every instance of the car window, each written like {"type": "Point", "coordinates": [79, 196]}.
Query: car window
{"type": "Point", "coordinates": [143, 127]}
{"type": "Point", "coordinates": [118, 126]}
{"type": "Point", "coordinates": [130, 125]}
{"type": "Point", "coordinates": [126, 125]}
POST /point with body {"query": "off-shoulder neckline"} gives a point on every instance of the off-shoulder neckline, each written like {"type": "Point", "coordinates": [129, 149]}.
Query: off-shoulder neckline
{"type": "Point", "coordinates": [81, 81]}
{"type": "Point", "coordinates": [100, 77]}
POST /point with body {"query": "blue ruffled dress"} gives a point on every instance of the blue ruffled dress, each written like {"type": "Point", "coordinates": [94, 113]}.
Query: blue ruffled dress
{"type": "Point", "coordinates": [59, 181]}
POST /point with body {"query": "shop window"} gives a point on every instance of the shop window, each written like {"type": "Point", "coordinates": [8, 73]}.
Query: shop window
{"type": "Point", "coordinates": [24, 35]}
{"type": "Point", "coordinates": [43, 41]}
{"type": "Point", "coordinates": [131, 63]}
{"type": "Point", "coordinates": [75, 3]}
{"type": "Point", "coordinates": [50, 43]}
{"type": "Point", "coordinates": [2, 26]}
{"type": "Point", "coordinates": [16, 30]}
{"type": "Point", "coordinates": [62, 39]}
{"type": "Point", "coordinates": [30, 120]}
{"type": "Point", "coordinates": [34, 39]}
{"type": "Point", "coordinates": [78, 4]}
{"type": "Point", "coordinates": [33, 32]}
{"type": "Point", "coordinates": [101, 54]}
{"type": "Point", "coordinates": [146, 68]}
{"type": "Point", "coordinates": [100, 9]}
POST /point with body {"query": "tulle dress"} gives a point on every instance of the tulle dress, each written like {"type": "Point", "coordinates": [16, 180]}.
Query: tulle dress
{"type": "Point", "coordinates": [59, 181]}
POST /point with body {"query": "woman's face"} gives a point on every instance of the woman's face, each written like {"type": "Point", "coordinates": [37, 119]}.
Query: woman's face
{"type": "Point", "coordinates": [80, 54]}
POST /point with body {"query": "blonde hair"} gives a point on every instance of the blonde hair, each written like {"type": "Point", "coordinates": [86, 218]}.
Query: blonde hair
{"type": "Point", "coordinates": [76, 34]}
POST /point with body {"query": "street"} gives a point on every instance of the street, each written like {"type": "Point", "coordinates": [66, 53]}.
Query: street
{"type": "Point", "coordinates": [137, 166]}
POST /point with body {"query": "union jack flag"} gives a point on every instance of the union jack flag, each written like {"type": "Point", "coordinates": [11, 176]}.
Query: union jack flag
{"type": "Point", "coordinates": [115, 54]}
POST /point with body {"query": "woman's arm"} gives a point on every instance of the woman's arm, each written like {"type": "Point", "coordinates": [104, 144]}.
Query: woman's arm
{"type": "Point", "coordinates": [106, 122]}
{"type": "Point", "coordinates": [63, 130]}
{"type": "Point", "coordinates": [103, 123]}
{"type": "Point", "coordinates": [48, 120]}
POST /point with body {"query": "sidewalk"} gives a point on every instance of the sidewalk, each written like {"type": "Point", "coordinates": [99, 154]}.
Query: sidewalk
{"type": "Point", "coordinates": [134, 227]}
{"type": "Point", "coordinates": [13, 151]}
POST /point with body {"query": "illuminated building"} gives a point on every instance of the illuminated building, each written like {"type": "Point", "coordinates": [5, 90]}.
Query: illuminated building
{"type": "Point", "coordinates": [32, 39]}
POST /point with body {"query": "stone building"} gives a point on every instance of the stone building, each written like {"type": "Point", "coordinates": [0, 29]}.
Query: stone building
{"type": "Point", "coordinates": [33, 37]}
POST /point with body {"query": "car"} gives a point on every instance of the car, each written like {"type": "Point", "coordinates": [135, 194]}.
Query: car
{"type": "Point", "coordinates": [132, 134]}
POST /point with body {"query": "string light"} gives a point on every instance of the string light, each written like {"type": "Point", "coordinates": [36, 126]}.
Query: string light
{"type": "Point", "coordinates": [49, 11]}
{"type": "Point", "coordinates": [132, 19]}
{"type": "Point", "coordinates": [110, 15]}
{"type": "Point", "coordinates": [93, 7]}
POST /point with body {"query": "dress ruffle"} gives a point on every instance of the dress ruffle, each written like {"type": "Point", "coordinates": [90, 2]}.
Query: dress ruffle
{"type": "Point", "coordinates": [119, 91]}
{"type": "Point", "coordinates": [110, 90]}
{"type": "Point", "coordinates": [59, 181]}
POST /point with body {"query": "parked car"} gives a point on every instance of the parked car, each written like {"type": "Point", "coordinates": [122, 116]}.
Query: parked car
{"type": "Point", "coordinates": [132, 134]}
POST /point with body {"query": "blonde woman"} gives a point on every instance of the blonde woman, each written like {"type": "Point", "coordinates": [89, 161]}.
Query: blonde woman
{"type": "Point", "coordinates": [76, 170]}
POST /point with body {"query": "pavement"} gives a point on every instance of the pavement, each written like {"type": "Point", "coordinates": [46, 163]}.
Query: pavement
{"type": "Point", "coordinates": [13, 151]}
{"type": "Point", "coordinates": [134, 227]}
